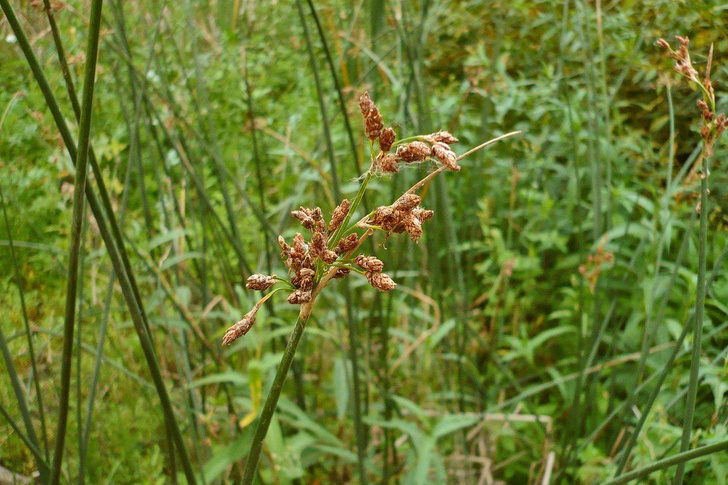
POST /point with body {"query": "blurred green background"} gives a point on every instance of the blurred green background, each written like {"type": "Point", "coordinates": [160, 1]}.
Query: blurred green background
{"type": "Point", "coordinates": [506, 354]}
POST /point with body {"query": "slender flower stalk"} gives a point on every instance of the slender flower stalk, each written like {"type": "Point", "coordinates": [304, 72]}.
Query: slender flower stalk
{"type": "Point", "coordinates": [713, 127]}
{"type": "Point", "coordinates": [331, 251]}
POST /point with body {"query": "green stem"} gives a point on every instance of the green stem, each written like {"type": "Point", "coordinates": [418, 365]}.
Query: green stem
{"type": "Point", "coordinates": [680, 459]}
{"type": "Point", "coordinates": [271, 401]}
{"type": "Point", "coordinates": [699, 311]}
{"type": "Point", "coordinates": [92, 50]}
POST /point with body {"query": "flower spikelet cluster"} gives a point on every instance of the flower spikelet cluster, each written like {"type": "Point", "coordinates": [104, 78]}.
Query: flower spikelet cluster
{"type": "Point", "coordinates": [405, 215]}
{"type": "Point", "coordinates": [330, 252]}
{"type": "Point", "coordinates": [713, 124]}
{"type": "Point", "coordinates": [374, 275]}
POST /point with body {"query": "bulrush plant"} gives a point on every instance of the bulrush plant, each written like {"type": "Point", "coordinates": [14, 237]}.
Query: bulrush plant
{"type": "Point", "coordinates": [332, 250]}
{"type": "Point", "coordinates": [713, 126]}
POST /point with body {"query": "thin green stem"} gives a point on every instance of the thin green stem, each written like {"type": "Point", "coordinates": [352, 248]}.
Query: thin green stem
{"type": "Point", "coordinates": [699, 312]}
{"type": "Point", "coordinates": [680, 459]}
{"type": "Point", "coordinates": [76, 230]}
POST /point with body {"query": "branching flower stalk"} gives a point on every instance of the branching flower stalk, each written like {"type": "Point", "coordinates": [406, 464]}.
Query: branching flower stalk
{"type": "Point", "coordinates": [330, 252]}
{"type": "Point", "coordinates": [713, 127]}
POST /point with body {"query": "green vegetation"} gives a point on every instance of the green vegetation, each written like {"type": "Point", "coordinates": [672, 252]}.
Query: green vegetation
{"type": "Point", "coordinates": [543, 329]}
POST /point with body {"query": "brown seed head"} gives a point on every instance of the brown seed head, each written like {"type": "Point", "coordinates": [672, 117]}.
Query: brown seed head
{"type": "Point", "coordinates": [386, 139]}
{"type": "Point", "coordinates": [318, 244]}
{"type": "Point", "coordinates": [369, 263]}
{"type": "Point", "coordinates": [339, 215]}
{"type": "Point", "coordinates": [422, 214]}
{"type": "Point", "coordinates": [387, 163]}
{"type": "Point", "coordinates": [304, 215]}
{"type": "Point", "coordinates": [372, 117]}
{"type": "Point", "coordinates": [341, 272]}
{"type": "Point", "coordinates": [305, 278]}
{"type": "Point", "coordinates": [329, 257]}
{"type": "Point", "coordinates": [385, 217]}
{"type": "Point", "coordinates": [347, 244]}
{"type": "Point", "coordinates": [407, 202]}
{"type": "Point", "coordinates": [298, 297]}
{"type": "Point", "coordinates": [441, 137]}
{"type": "Point", "coordinates": [413, 226]}
{"type": "Point", "coordinates": [240, 328]}
{"type": "Point", "coordinates": [445, 156]}
{"type": "Point", "coordinates": [380, 281]}
{"type": "Point", "coordinates": [414, 152]}
{"type": "Point", "coordinates": [260, 282]}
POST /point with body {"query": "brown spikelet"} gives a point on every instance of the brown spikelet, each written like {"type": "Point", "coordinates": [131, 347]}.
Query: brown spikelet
{"type": "Point", "coordinates": [329, 257]}
{"type": "Point", "coordinates": [372, 117]}
{"type": "Point", "coordinates": [260, 282]}
{"type": "Point", "coordinates": [318, 245]}
{"type": "Point", "coordinates": [298, 297]}
{"type": "Point", "coordinates": [445, 156]}
{"type": "Point", "coordinates": [339, 215]}
{"type": "Point", "coordinates": [341, 272]}
{"type": "Point", "coordinates": [305, 279]}
{"type": "Point", "coordinates": [414, 152]}
{"type": "Point", "coordinates": [387, 163]}
{"type": "Point", "coordinates": [304, 215]}
{"type": "Point", "coordinates": [441, 137]}
{"type": "Point", "coordinates": [386, 139]}
{"type": "Point", "coordinates": [369, 263]}
{"type": "Point", "coordinates": [413, 226]}
{"type": "Point", "coordinates": [380, 281]}
{"type": "Point", "coordinates": [422, 214]}
{"type": "Point", "coordinates": [240, 328]}
{"type": "Point", "coordinates": [407, 202]}
{"type": "Point", "coordinates": [385, 217]}
{"type": "Point", "coordinates": [347, 244]}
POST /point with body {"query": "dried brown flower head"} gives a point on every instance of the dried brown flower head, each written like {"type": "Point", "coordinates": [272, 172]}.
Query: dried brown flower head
{"type": "Point", "coordinates": [372, 117]}
{"type": "Point", "coordinates": [369, 263]}
{"type": "Point", "coordinates": [347, 244]}
{"type": "Point", "coordinates": [440, 137]}
{"type": "Point", "coordinates": [241, 327]}
{"type": "Point", "coordinates": [380, 281]}
{"type": "Point", "coordinates": [260, 282]}
{"type": "Point", "coordinates": [407, 202]}
{"type": "Point", "coordinates": [414, 152]}
{"type": "Point", "coordinates": [339, 215]}
{"type": "Point", "coordinates": [445, 156]}
{"type": "Point", "coordinates": [386, 139]}
{"type": "Point", "coordinates": [387, 163]}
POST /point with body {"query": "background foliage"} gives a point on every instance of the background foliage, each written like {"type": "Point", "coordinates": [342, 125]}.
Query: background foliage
{"type": "Point", "coordinates": [504, 355]}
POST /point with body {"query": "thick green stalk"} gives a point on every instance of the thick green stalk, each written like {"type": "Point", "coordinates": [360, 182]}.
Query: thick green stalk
{"type": "Point", "coordinates": [76, 230]}
{"type": "Point", "coordinates": [251, 465]}
{"type": "Point", "coordinates": [680, 459]}
{"type": "Point", "coordinates": [699, 311]}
